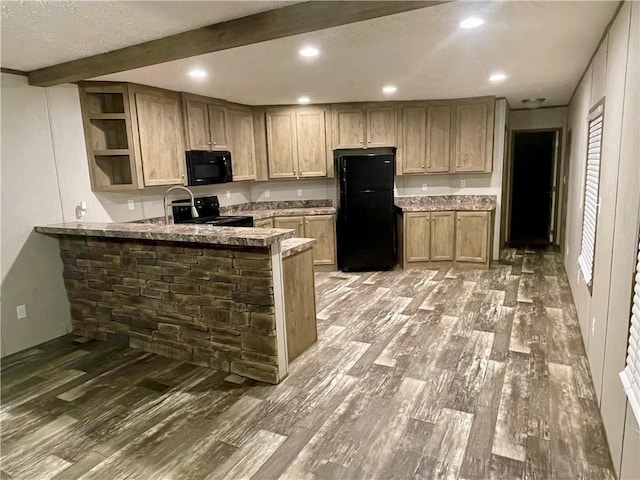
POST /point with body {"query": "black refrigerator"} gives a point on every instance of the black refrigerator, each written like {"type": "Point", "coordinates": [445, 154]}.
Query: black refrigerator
{"type": "Point", "coordinates": [366, 227]}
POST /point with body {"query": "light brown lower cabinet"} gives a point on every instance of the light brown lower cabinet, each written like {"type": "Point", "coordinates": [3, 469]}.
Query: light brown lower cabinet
{"type": "Point", "coordinates": [263, 223]}
{"type": "Point", "coordinates": [426, 237]}
{"type": "Point", "coordinates": [299, 302]}
{"type": "Point", "coordinates": [320, 227]}
{"type": "Point", "coordinates": [472, 236]}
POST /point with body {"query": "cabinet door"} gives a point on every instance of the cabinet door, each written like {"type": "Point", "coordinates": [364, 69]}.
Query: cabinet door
{"type": "Point", "coordinates": [281, 144]}
{"type": "Point", "coordinates": [472, 236]}
{"type": "Point", "coordinates": [416, 236]}
{"type": "Point", "coordinates": [471, 137]}
{"type": "Point", "coordinates": [323, 229]}
{"type": "Point", "coordinates": [414, 121]}
{"type": "Point", "coordinates": [294, 223]}
{"type": "Point", "coordinates": [311, 143]}
{"type": "Point", "coordinates": [197, 126]}
{"type": "Point", "coordinates": [263, 223]}
{"type": "Point", "coordinates": [442, 236]}
{"type": "Point", "coordinates": [241, 143]}
{"type": "Point", "coordinates": [218, 127]}
{"type": "Point", "coordinates": [348, 127]}
{"type": "Point", "coordinates": [160, 133]}
{"type": "Point", "coordinates": [381, 127]}
{"type": "Point", "coordinates": [438, 138]}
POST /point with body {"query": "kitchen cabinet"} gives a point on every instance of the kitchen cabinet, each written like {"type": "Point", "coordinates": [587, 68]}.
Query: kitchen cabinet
{"type": "Point", "coordinates": [133, 135]}
{"type": "Point", "coordinates": [160, 144]}
{"type": "Point", "coordinates": [320, 227]}
{"type": "Point", "coordinates": [241, 142]}
{"type": "Point", "coordinates": [473, 136]}
{"type": "Point", "coordinates": [263, 223]}
{"type": "Point", "coordinates": [438, 138]}
{"type": "Point", "coordinates": [205, 125]}
{"type": "Point", "coordinates": [296, 142]}
{"type": "Point", "coordinates": [472, 236]}
{"type": "Point", "coordinates": [293, 223]}
{"type": "Point", "coordinates": [446, 136]}
{"type": "Point", "coordinates": [356, 126]}
{"type": "Point", "coordinates": [442, 236]}
{"type": "Point", "coordinates": [417, 236]}
{"type": "Point", "coordinates": [438, 236]}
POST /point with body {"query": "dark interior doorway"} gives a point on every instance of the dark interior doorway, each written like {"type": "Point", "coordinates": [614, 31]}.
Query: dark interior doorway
{"type": "Point", "coordinates": [532, 186]}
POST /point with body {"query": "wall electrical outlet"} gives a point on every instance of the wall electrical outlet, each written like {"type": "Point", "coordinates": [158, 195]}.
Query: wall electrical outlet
{"type": "Point", "coordinates": [463, 183]}
{"type": "Point", "coordinates": [593, 326]}
{"type": "Point", "coordinates": [228, 194]}
{"type": "Point", "coordinates": [21, 310]}
{"type": "Point", "coordinates": [267, 193]}
{"type": "Point", "coordinates": [299, 192]}
{"type": "Point", "coordinates": [132, 206]}
{"type": "Point", "coordinates": [424, 187]}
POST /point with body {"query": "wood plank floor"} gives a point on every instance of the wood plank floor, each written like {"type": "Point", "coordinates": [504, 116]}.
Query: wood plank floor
{"type": "Point", "coordinates": [451, 373]}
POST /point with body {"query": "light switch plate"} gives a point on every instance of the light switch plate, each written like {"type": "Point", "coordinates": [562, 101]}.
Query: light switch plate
{"type": "Point", "coordinates": [131, 204]}
{"type": "Point", "coordinates": [228, 194]}
{"type": "Point", "coordinates": [299, 192]}
{"type": "Point", "coordinates": [424, 187]}
{"type": "Point", "coordinates": [463, 183]}
{"type": "Point", "coordinates": [21, 310]}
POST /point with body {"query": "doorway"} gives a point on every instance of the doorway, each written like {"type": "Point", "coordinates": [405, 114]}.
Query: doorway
{"type": "Point", "coordinates": [533, 192]}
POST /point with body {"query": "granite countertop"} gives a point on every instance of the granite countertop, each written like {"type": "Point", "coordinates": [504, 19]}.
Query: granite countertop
{"type": "Point", "coordinates": [289, 208]}
{"type": "Point", "coordinates": [227, 236]}
{"type": "Point", "coordinates": [292, 246]}
{"type": "Point", "coordinates": [446, 202]}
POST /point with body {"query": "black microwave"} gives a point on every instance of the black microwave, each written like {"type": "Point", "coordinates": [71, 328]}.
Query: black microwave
{"type": "Point", "coordinates": [205, 168]}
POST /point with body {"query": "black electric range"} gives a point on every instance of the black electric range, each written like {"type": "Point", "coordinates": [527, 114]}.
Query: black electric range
{"type": "Point", "coordinates": [209, 213]}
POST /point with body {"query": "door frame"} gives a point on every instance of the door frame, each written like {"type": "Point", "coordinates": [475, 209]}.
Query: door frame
{"type": "Point", "coordinates": [556, 205]}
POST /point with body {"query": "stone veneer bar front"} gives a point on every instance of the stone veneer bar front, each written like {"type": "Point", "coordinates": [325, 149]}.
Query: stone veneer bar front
{"type": "Point", "coordinates": [211, 296]}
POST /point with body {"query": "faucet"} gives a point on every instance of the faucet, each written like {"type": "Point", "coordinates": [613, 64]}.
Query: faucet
{"type": "Point", "coordinates": [192, 204]}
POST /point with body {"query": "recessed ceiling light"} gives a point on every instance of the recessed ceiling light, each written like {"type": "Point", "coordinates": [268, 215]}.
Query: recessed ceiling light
{"type": "Point", "coordinates": [389, 89]}
{"type": "Point", "coordinates": [304, 99]}
{"type": "Point", "coordinates": [497, 77]}
{"type": "Point", "coordinates": [196, 73]}
{"type": "Point", "coordinates": [471, 22]}
{"type": "Point", "coordinates": [309, 52]}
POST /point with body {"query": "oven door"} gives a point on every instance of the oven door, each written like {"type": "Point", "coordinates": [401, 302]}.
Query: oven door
{"type": "Point", "coordinates": [205, 168]}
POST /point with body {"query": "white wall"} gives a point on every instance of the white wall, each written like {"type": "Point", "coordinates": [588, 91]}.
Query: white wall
{"type": "Point", "coordinates": [44, 177]}
{"type": "Point", "coordinates": [604, 313]}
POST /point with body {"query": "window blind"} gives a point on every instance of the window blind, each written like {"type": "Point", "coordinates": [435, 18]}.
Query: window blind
{"type": "Point", "coordinates": [631, 374]}
{"type": "Point", "coordinates": [590, 207]}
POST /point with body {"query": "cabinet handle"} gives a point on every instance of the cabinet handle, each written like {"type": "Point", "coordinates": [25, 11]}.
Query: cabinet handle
{"type": "Point", "coordinates": [457, 164]}
{"type": "Point", "coordinates": [214, 143]}
{"type": "Point", "coordinates": [208, 143]}
{"type": "Point", "coordinates": [429, 165]}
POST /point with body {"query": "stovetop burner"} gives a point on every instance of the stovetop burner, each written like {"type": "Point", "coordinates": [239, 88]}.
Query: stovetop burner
{"type": "Point", "coordinates": [209, 213]}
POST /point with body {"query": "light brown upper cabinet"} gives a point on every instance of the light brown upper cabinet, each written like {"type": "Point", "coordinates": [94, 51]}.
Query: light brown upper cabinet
{"type": "Point", "coordinates": [296, 142]}
{"type": "Point", "coordinates": [160, 146]}
{"type": "Point", "coordinates": [473, 135]}
{"type": "Point", "coordinates": [133, 135]}
{"type": "Point", "coordinates": [241, 143]}
{"type": "Point", "coordinates": [472, 236]}
{"type": "Point", "coordinates": [414, 139]}
{"type": "Point", "coordinates": [446, 136]}
{"type": "Point", "coordinates": [362, 126]}
{"type": "Point", "coordinates": [438, 138]}
{"type": "Point", "coordinates": [205, 124]}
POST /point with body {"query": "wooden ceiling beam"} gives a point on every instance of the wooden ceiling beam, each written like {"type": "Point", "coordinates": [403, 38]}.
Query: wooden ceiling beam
{"type": "Point", "coordinates": [270, 25]}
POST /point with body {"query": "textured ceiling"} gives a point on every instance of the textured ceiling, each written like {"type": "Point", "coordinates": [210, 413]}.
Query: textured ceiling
{"type": "Point", "coordinates": [37, 34]}
{"type": "Point", "coordinates": [543, 47]}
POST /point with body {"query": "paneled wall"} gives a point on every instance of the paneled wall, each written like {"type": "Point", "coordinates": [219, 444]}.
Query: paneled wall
{"type": "Point", "coordinates": [604, 312]}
